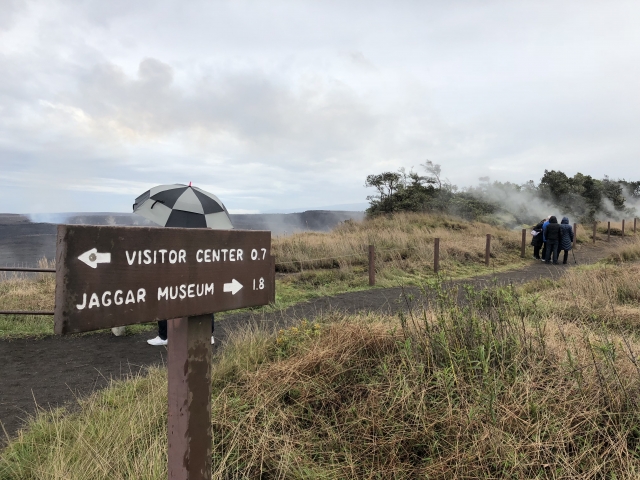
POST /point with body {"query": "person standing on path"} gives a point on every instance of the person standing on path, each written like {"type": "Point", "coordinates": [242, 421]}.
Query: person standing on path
{"type": "Point", "coordinates": [566, 238]}
{"type": "Point", "coordinates": [543, 254]}
{"type": "Point", "coordinates": [161, 339]}
{"type": "Point", "coordinates": [552, 238]}
{"type": "Point", "coordinates": [536, 241]}
{"type": "Point", "coordinates": [181, 206]}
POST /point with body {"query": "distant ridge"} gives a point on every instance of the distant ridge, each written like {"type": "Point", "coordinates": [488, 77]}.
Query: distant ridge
{"type": "Point", "coordinates": [344, 207]}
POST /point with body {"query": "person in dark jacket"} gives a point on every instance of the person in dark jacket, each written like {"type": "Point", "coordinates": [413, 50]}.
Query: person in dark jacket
{"type": "Point", "coordinates": [543, 253]}
{"type": "Point", "coordinates": [536, 241]}
{"type": "Point", "coordinates": [551, 235]}
{"type": "Point", "coordinates": [566, 239]}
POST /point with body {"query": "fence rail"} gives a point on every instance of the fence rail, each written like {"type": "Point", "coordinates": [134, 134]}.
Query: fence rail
{"type": "Point", "coordinates": [30, 270]}
{"type": "Point", "coordinates": [25, 312]}
{"type": "Point", "coordinates": [622, 231]}
{"type": "Point", "coordinates": [33, 270]}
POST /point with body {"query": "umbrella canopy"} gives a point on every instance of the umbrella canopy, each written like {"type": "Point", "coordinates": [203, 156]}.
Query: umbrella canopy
{"type": "Point", "coordinates": [182, 206]}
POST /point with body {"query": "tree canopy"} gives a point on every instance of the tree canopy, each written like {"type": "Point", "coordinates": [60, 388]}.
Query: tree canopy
{"type": "Point", "coordinates": [581, 196]}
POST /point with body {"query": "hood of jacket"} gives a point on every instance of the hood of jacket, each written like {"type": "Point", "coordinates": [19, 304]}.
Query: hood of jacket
{"type": "Point", "coordinates": [565, 221]}
{"type": "Point", "coordinates": [553, 220]}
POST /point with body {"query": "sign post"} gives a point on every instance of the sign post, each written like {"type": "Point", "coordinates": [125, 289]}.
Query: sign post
{"type": "Point", "coordinates": [189, 384]}
{"type": "Point", "coordinates": [114, 276]}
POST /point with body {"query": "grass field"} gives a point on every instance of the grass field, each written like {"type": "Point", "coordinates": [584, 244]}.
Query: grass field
{"type": "Point", "coordinates": [616, 228]}
{"type": "Point", "coordinates": [27, 292]}
{"type": "Point", "coordinates": [316, 264]}
{"type": "Point", "coordinates": [536, 382]}
{"type": "Point", "coordinates": [320, 264]}
{"type": "Point", "coordinates": [31, 292]}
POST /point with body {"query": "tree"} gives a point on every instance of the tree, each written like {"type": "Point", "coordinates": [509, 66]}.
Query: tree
{"type": "Point", "coordinates": [580, 196]}
{"type": "Point", "coordinates": [556, 185]}
{"type": "Point", "coordinates": [409, 191]}
{"type": "Point", "coordinates": [613, 191]}
{"type": "Point", "coordinates": [387, 185]}
{"type": "Point", "coordinates": [434, 170]}
{"type": "Point", "coordinates": [399, 191]}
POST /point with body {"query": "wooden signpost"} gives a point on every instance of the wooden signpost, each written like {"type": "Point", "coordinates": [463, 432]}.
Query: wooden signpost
{"type": "Point", "coordinates": [114, 276]}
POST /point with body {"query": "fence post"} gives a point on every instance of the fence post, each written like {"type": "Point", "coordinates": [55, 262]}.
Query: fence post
{"type": "Point", "coordinates": [622, 228]}
{"type": "Point", "coordinates": [575, 234]}
{"type": "Point", "coordinates": [372, 265]}
{"type": "Point", "coordinates": [272, 294]}
{"type": "Point", "coordinates": [436, 255]}
{"type": "Point", "coordinates": [595, 224]}
{"type": "Point", "coordinates": [608, 231]}
{"type": "Point", "coordinates": [487, 252]}
{"type": "Point", "coordinates": [523, 250]}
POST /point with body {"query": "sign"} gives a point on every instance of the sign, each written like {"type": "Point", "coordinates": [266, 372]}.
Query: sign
{"type": "Point", "coordinates": [113, 276]}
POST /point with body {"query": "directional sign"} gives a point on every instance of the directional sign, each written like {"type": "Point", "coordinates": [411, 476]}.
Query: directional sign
{"type": "Point", "coordinates": [113, 276]}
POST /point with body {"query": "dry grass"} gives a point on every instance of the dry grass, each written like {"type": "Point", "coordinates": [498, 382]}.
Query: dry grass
{"type": "Point", "coordinates": [597, 295]}
{"type": "Point", "coordinates": [492, 388]}
{"type": "Point", "coordinates": [320, 264]}
{"type": "Point", "coordinates": [403, 240]}
{"type": "Point", "coordinates": [606, 293]}
{"type": "Point", "coordinates": [27, 292]}
{"type": "Point", "coordinates": [616, 228]}
{"type": "Point", "coordinates": [628, 252]}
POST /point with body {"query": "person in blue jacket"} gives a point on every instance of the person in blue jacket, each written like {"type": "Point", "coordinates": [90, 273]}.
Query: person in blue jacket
{"type": "Point", "coordinates": [543, 253]}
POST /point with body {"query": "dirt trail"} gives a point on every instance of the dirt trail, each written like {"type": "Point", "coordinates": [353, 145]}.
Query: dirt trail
{"type": "Point", "coordinates": [53, 371]}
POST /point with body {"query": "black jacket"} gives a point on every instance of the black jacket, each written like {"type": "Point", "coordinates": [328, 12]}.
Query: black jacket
{"type": "Point", "coordinates": [552, 233]}
{"type": "Point", "coordinates": [537, 240]}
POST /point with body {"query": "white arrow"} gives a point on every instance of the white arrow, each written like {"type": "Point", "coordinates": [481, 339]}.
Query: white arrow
{"type": "Point", "coordinates": [233, 287]}
{"type": "Point", "coordinates": [93, 258]}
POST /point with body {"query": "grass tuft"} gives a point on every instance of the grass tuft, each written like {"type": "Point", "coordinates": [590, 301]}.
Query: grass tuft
{"type": "Point", "coordinates": [27, 291]}
{"type": "Point", "coordinates": [464, 384]}
{"type": "Point", "coordinates": [628, 252]}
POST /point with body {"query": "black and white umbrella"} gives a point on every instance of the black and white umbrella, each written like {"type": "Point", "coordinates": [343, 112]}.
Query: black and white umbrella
{"type": "Point", "coordinates": [182, 206]}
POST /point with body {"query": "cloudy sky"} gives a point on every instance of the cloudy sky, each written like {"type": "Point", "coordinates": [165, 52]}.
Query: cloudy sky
{"type": "Point", "coordinates": [285, 105]}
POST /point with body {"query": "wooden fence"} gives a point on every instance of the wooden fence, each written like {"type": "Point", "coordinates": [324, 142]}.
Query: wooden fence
{"type": "Point", "coordinates": [487, 253]}
{"type": "Point", "coordinates": [372, 258]}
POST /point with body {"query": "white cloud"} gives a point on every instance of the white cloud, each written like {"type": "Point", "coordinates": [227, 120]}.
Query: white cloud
{"type": "Point", "coordinates": [283, 104]}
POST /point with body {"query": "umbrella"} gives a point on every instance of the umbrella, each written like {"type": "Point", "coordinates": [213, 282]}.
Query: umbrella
{"type": "Point", "coordinates": [182, 206]}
